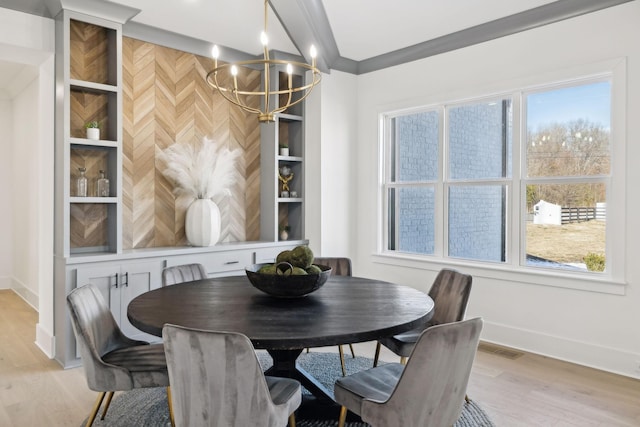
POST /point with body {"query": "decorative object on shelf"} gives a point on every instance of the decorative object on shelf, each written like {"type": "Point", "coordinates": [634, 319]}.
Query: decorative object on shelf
{"type": "Point", "coordinates": [201, 171]}
{"type": "Point", "coordinates": [93, 130]}
{"type": "Point", "coordinates": [284, 150]}
{"type": "Point", "coordinates": [284, 232]}
{"type": "Point", "coordinates": [102, 185]}
{"type": "Point", "coordinates": [293, 194]}
{"type": "Point", "coordinates": [285, 174]}
{"type": "Point", "coordinates": [244, 99]}
{"type": "Point", "coordinates": [81, 183]}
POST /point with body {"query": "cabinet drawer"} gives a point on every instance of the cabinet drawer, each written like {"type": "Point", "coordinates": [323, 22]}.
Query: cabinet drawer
{"type": "Point", "coordinates": [268, 255]}
{"type": "Point", "coordinates": [216, 262]}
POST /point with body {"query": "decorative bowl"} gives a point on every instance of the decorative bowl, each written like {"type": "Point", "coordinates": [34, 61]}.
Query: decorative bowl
{"type": "Point", "coordinates": [284, 285]}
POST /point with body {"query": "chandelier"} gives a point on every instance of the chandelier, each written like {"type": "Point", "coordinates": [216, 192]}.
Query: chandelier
{"type": "Point", "coordinates": [243, 98]}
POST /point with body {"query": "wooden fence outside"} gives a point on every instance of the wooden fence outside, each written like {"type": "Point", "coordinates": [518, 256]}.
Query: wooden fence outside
{"type": "Point", "coordinates": [580, 214]}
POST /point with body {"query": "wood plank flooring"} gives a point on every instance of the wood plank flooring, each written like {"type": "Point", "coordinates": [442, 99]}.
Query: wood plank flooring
{"type": "Point", "coordinates": [514, 388]}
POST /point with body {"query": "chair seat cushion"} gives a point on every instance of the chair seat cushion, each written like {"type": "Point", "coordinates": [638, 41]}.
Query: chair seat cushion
{"type": "Point", "coordinates": [146, 364]}
{"type": "Point", "coordinates": [376, 384]}
{"type": "Point", "coordinates": [402, 344]}
{"type": "Point", "coordinates": [285, 391]}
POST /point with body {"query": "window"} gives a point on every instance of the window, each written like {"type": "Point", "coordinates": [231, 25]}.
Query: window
{"type": "Point", "coordinates": [461, 182]}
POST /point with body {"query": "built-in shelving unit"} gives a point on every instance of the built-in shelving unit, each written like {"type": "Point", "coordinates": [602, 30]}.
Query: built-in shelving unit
{"type": "Point", "coordinates": [288, 130]}
{"type": "Point", "coordinates": [89, 73]}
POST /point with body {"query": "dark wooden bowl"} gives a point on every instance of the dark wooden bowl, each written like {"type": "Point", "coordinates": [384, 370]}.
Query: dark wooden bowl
{"type": "Point", "coordinates": [287, 286]}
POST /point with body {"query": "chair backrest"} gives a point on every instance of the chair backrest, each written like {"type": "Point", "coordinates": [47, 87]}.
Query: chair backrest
{"type": "Point", "coordinates": [431, 389]}
{"type": "Point", "coordinates": [97, 334]}
{"type": "Point", "coordinates": [216, 379]}
{"type": "Point", "coordinates": [450, 293]}
{"type": "Point", "coordinates": [339, 266]}
{"type": "Point", "coordinates": [183, 273]}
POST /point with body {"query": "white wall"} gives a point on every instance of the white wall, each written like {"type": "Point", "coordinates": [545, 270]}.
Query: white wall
{"type": "Point", "coordinates": [6, 260]}
{"type": "Point", "coordinates": [590, 328]}
{"type": "Point", "coordinates": [29, 40]}
{"type": "Point", "coordinates": [24, 203]}
{"type": "Point", "coordinates": [330, 165]}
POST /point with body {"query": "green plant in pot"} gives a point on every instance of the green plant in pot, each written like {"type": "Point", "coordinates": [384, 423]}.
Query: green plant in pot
{"type": "Point", "coordinates": [93, 130]}
{"type": "Point", "coordinates": [284, 150]}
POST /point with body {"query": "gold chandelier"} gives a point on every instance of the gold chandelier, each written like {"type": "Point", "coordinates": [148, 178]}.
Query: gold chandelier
{"type": "Point", "coordinates": [242, 98]}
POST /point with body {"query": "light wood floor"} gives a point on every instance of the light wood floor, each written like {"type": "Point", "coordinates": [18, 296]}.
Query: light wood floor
{"type": "Point", "coordinates": [515, 389]}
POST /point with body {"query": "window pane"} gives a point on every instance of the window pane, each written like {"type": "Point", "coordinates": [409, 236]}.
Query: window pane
{"type": "Point", "coordinates": [568, 131]}
{"type": "Point", "coordinates": [415, 149]}
{"type": "Point", "coordinates": [411, 219]}
{"type": "Point", "coordinates": [566, 226]}
{"type": "Point", "coordinates": [477, 222]}
{"type": "Point", "coordinates": [480, 140]}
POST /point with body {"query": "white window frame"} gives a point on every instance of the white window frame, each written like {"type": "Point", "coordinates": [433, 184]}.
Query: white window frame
{"type": "Point", "coordinates": [613, 280]}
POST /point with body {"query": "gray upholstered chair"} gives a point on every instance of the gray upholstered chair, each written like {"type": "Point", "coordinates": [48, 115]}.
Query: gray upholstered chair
{"type": "Point", "coordinates": [216, 380]}
{"type": "Point", "coordinates": [112, 361]}
{"type": "Point", "coordinates": [428, 391]}
{"type": "Point", "coordinates": [450, 292]}
{"type": "Point", "coordinates": [183, 273]}
{"type": "Point", "coordinates": [339, 267]}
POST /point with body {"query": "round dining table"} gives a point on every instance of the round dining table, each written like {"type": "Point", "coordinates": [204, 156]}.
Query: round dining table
{"type": "Point", "coordinates": [345, 310]}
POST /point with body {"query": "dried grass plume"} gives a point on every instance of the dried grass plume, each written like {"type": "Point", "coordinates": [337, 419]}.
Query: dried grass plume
{"type": "Point", "coordinates": [200, 170]}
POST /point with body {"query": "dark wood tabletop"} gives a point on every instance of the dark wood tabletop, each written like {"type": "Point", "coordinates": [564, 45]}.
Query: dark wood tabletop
{"type": "Point", "coordinates": [345, 310]}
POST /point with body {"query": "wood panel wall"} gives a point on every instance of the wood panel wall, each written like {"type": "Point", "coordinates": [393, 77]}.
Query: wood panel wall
{"type": "Point", "coordinates": [166, 100]}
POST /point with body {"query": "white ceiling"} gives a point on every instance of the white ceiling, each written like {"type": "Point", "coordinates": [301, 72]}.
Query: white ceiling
{"type": "Point", "coordinates": [360, 29]}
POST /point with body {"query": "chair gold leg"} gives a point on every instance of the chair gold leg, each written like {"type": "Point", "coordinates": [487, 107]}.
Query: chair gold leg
{"type": "Point", "coordinates": [170, 403]}
{"type": "Point", "coordinates": [106, 404]}
{"type": "Point", "coordinates": [343, 416]}
{"type": "Point", "coordinates": [344, 370]}
{"type": "Point", "coordinates": [95, 409]}
{"type": "Point", "coordinates": [292, 420]}
{"type": "Point", "coordinates": [403, 360]}
{"type": "Point", "coordinates": [377, 355]}
{"type": "Point", "coordinates": [353, 353]}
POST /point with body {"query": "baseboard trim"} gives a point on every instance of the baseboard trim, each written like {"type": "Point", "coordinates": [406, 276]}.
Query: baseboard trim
{"type": "Point", "coordinates": [607, 359]}
{"type": "Point", "coordinates": [45, 341]}
{"type": "Point", "coordinates": [25, 293]}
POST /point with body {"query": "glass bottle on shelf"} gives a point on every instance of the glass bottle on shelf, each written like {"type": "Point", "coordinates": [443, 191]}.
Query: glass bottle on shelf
{"type": "Point", "coordinates": [102, 186]}
{"type": "Point", "coordinates": [81, 183]}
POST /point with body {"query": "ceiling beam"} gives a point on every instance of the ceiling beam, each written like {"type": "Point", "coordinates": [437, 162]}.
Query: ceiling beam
{"type": "Point", "coordinates": [527, 20]}
{"type": "Point", "coordinates": [306, 23]}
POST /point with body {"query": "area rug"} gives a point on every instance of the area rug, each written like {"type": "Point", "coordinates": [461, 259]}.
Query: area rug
{"type": "Point", "coordinates": [148, 407]}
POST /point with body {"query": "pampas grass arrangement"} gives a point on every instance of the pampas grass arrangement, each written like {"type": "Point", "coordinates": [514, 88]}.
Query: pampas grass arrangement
{"type": "Point", "coordinates": [199, 170]}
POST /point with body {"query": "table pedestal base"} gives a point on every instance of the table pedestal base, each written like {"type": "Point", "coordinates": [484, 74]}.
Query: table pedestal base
{"type": "Point", "coordinates": [284, 365]}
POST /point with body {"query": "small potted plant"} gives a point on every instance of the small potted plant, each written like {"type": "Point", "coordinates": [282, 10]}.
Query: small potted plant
{"type": "Point", "coordinates": [93, 130]}
{"type": "Point", "coordinates": [284, 232]}
{"type": "Point", "coordinates": [284, 150]}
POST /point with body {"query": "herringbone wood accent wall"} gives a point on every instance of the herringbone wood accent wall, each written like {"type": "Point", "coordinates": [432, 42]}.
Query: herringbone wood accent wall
{"type": "Point", "coordinates": [166, 100]}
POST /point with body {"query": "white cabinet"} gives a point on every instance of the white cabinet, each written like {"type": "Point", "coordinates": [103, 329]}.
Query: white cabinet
{"type": "Point", "coordinates": [119, 284]}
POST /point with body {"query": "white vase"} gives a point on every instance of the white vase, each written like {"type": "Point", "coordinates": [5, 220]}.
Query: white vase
{"type": "Point", "coordinates": [93, 133]}
{"type": "Point", "coordinates": [202, 223]}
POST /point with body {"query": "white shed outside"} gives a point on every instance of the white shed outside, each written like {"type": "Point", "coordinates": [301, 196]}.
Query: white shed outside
{"type": "Point", "coordinates": [547, 213]}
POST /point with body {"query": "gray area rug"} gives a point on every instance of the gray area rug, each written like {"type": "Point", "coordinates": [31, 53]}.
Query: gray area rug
{"type": "Point", "coordinates": [148, 407]}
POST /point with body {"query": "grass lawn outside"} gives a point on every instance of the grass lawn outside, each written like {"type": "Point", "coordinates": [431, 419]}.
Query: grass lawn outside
{"type": "Point", "coordinates": [567, 243]}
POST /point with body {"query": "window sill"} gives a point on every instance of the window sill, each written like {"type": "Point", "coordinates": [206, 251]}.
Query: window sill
{"type": "Point", "coordinates": [507, 272]}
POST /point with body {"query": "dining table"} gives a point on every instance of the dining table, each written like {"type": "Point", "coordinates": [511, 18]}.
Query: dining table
{"type": "Point", "coordinates": [344, 310]}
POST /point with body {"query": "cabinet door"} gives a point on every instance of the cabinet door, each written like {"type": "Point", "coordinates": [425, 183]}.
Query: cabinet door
{"type": "Point", "coordinates": [105, 278]}
{"type": "Point", "coordinates": [136, 279]}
